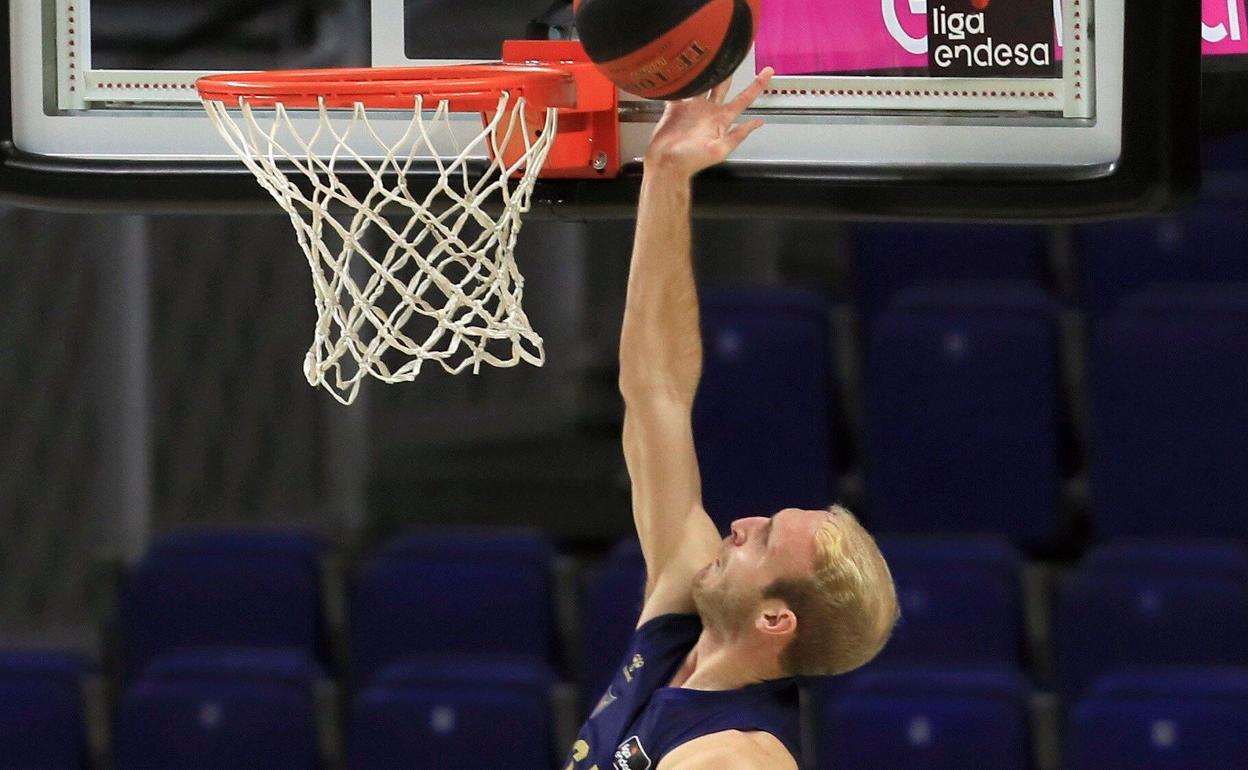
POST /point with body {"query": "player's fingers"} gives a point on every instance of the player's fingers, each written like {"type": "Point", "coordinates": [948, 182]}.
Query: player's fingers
{"type": "Point", "coordinates": [751, 92]}
{"type": "Point", "coordinates": [720, 91]}
{"type": "Point", "coordinates": [737, 134]}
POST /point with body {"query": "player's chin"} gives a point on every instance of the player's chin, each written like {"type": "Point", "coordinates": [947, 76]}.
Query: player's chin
{"type": "Point", "coordinates": [700, 575]}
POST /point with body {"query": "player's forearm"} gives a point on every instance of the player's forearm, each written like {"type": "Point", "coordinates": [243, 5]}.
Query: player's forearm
{"type": "Point", "coordinates": [660, 344]}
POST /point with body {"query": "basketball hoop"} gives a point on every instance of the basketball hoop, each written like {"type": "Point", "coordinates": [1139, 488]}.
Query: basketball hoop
{"type": "Point", "coordinates": [403, 276]}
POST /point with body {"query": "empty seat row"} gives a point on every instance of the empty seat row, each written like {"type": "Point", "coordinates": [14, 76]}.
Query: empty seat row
{"type": "Point", "coordinates": [885, 717]}
{"type": "Point", "coordinates": [460, 718]}
{"type": "Point", "coordinates": [1168, 719]}
{"type": "Point", "coordinates": [963, 413]}
{"type": "Point", "coordinates": [483, 605]}
{"type": "Point", "coordinates": [226, 656]}
{"type": "Point", "coordinates": [938, 718]}
{"type": "Point", "coordinates": [253, 601]}
{"type": "Point", "coordinates": [452, 719]}
{"type": "Point", "coordinates": [1203, 244]}
{"type": "Point", "coordinates": [1130, 604]}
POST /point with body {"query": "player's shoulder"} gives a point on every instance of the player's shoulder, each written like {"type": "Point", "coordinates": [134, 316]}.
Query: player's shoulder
{"type": "Point", "coordinates": [754, 750]}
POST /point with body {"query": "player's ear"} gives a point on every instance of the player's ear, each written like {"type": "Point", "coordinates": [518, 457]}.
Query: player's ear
{"type": "Point", "coordinates": [776, 617]}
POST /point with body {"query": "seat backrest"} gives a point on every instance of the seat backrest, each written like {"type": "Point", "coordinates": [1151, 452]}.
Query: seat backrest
{"type": "Point", "coordinates": [892, 257]}
{"type": "Point", "coordinates": [941, 718]}
{"type": "Point", "coordinates": [1117, 259]}
{"type": "Point", "coordinates": [1171, 732]}
{"type": "Point", "coordinates": [765, 412]}
{"type": "Point", "coordinates": [418, 601]}
{"type": "Point", "coordinates": [1168, 405]}
{"type": "Point", "coordinates": [960, 600]}
{"type": "Point", "coordinates": [212, 725]}
{"type": "Point", "coordinates": [1121, 614]}
{"type": "Point", "coordinates": [450, 728]}
{"type": "Point", "coordinates": [178, 601]}
{"type": "Point", "coordinates": [961, 412]}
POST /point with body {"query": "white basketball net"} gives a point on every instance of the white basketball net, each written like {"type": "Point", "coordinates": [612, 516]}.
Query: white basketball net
{"type": "Point", "coordinates": [401, 279]}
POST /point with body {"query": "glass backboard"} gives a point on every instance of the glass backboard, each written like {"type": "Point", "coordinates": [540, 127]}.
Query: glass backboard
{"type": "Point", "coordinates": [879, 108]}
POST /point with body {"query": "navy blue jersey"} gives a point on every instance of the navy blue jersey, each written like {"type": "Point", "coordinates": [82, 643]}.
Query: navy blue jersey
{"type": "Point", "coordinates": [640, 719]}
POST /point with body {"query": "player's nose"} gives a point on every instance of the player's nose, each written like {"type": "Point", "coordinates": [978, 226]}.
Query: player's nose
{"type": "Point", "coordinates": [742, 528]}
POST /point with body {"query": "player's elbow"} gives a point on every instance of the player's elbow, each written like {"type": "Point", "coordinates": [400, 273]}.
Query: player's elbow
{"type": "Point", "coordinates": [659, 367]}
{"type": "Point", "coordinates": [643, 381]}
{"type": "Point", "coordinates": [642, 391]}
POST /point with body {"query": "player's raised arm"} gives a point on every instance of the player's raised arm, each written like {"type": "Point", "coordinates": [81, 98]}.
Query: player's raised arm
{"type": "Point", "coordinates": [661, 349]}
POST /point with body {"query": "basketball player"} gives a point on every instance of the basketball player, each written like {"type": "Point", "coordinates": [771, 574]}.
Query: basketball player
{"type": "Point", "coordinates": [707, 680]}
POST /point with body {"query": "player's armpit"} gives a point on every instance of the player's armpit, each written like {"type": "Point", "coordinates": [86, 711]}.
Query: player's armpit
{"type": "Point", "coordinates": [670, 589]}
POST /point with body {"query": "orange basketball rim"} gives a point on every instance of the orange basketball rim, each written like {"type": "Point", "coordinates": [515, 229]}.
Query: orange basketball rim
{"type": "Point", "coordinates": [545, 73]}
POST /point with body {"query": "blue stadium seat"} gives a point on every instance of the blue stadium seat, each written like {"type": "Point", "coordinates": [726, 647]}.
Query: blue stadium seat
{"type": "Point", "coordinates": [1204, 244]}
{"type": "Point", "coordinates": [609, 613]}
{"type": "Point", "coordinates": [228, 543]}
{"type": "Point", "coordinates": [937, 718]}
{"type": "Point", "coordinates": [960, 600]}
{"type": "Point", "coordinates": [442, 593]}
{"type": "Point", "coordinates": [961, 412]}
{"type": "Point", "coordinates": [1172, 682]}
{"type": "Point", "coordinates": [764, 415]}
{"type": "Point", "coordinates": [444, 722]}
{"type": "Point", "coordinates": [1229, 559]}
{"type": "Point", "coordinates": [1162, 720]}
{"type": "Point", "coordinates": [1169, 404]}
{"type": "Point", "coordinates": [236, 590]}
{"type": "Point", "coordinates": [1141, 603]}
{"type": "Point", "coordinates": [518, 672]}
{"type": "Point", "coordinates": [194, 725]}
{"type": "Point", "coordinates": [227, 664]}
{"type": "Point", "coordinates": [42, 723]}
{"type": "Point", "coordinates": [64, 668]}
{"type": "Point", "coordinates": [892, 257]}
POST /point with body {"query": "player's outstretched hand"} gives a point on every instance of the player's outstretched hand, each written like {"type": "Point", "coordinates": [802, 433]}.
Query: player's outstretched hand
{"type": "Point", "coordinates": [697, 133]}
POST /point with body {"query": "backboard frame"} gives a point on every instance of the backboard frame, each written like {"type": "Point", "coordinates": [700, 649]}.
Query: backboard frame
{"type": "Point", "coordinates": [1156, 168]}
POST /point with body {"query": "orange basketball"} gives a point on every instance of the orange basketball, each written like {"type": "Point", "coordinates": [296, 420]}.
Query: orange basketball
{"type": "Point", "coordinates": [667, 49]}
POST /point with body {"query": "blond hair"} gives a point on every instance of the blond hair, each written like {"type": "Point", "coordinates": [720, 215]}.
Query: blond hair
{"type": "Point", "coordinates": [845, 610]}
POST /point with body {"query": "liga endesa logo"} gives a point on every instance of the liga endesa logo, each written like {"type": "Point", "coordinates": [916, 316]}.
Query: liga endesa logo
{"type": "Point", "coordinates": [798, 37]}
{"type": "Point", "coordinates": [992, 38]}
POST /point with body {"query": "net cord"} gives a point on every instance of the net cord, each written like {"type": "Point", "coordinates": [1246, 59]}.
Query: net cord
{"type": "Point", "coordinates": [443, 259]}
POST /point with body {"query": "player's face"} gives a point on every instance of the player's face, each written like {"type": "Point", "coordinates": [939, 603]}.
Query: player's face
{"type": "Point", "coordinates": [756, 552]}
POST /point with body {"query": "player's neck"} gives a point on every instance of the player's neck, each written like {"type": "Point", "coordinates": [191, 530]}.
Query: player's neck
{"type": "Point", "coordinates": [716, 663]}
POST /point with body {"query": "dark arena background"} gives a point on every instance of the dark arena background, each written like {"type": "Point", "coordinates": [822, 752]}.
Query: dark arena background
{"type": "Point", "coordinates": [1045, 425]}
